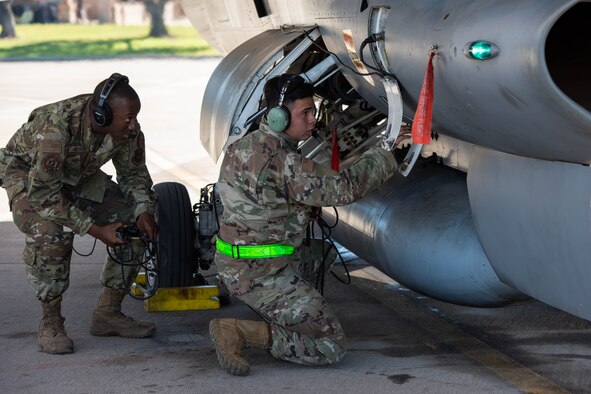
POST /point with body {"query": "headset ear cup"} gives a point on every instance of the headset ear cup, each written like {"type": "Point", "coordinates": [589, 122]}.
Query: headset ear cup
{"type": "Point", "coordinates": [98, 115]}
{"type": "Point", "coordinates": [278, 119]}
{"type": "Point", "coordinates": [102, 115]}
{"type": "Point", "coordinates": [101, 112]}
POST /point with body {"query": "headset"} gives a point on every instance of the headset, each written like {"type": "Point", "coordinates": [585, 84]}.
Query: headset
{"type": "Point", "coordinates": [101, 112]}
{"type": "Point", "coordinates": [278, 117]}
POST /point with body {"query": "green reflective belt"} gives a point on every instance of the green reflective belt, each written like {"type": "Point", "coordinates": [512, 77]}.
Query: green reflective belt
{"type": "Point", "coordinates": [253, 251]}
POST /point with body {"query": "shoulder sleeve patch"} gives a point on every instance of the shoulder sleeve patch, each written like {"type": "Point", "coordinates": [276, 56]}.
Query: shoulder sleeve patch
{"type": "Point", "coordinates": [52, 164]}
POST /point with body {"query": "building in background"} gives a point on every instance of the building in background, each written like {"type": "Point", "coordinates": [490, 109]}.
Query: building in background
{"type": "Point", "coordinates": [121, 12]}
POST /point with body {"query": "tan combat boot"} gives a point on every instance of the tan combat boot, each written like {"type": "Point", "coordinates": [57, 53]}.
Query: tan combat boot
{"type": "Point", "coordinates": [230, 336]}
{"type": "Point", "coordinates": [52, 334]}
{"type": "Point", "coordinates": [107, 319]}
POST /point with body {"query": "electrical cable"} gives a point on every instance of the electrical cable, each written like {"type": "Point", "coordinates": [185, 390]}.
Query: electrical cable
{"type": "Point", "coordinates": [371, 39]}
{"type": "Point", "coordinates": [85, 255]}
{"type": "Point", "coordinates": [149, 246]}
{"type": "Point", "coordinates": [325, 228]}
{"type": "Point", "coordinates": [148, 262]}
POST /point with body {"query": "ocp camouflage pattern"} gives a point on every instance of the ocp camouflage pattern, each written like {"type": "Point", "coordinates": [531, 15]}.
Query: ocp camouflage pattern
{"type": "Point", "coordinates": [55, 157]}
{"type": "Point", "coordinates": [269, 190]}
{"type": "Point", "coordinates": [270, 193]}
{"type": "Point", "coordinates": [50, 169]}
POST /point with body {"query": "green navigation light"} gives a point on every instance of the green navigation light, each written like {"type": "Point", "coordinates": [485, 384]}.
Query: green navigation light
{"type": "Point", "coordinates": [481, 50]}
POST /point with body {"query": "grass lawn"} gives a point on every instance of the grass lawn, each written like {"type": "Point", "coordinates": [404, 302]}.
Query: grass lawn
{"type": "Point", "coordinates": [65, 41]}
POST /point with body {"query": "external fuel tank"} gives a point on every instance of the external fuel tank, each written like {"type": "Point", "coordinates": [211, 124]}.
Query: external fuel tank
{"type": "Point", "coordinates": [419, 231]}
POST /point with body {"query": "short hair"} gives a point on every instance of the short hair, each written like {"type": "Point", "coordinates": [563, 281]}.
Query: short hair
{"type": "Point", "coordinates": [122, 90]}
{"type": "Point", "coordinates": [297, 88]}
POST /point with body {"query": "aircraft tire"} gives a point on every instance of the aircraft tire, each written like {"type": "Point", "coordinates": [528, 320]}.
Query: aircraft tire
{"type": "Point", "coordinates": [176, 235]}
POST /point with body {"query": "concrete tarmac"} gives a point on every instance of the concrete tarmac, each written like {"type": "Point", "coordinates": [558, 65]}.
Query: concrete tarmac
{"type": "Point", "coordinates": [398, 340]}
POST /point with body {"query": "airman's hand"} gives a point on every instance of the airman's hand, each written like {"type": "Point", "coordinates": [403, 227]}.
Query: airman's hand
{"type": "Point", "coordinates": [147, 225]}
{"type": "Point", "coordinates": [107, 233]}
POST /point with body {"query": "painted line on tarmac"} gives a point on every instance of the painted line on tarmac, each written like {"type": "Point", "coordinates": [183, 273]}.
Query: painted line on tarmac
{"type": "Point", "coordinates": [502, 365]}
{"type": "Point", "coordinates": [168, 166]}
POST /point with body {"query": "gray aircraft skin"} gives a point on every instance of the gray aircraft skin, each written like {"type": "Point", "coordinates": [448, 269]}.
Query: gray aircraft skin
{"type": "Point", "coordinates": [499, 206]}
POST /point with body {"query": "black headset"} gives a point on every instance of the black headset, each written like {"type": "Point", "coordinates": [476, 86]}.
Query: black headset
{"type": "Point", "coordinates": [101, 112]}
{"type": "Point", "coordinates": [278, 117]}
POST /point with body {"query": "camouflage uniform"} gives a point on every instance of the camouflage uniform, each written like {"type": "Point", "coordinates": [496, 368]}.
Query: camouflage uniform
{"type": "Point", "coordinates": [50, 169]}
{"type": "Point", "coordinates": [269, 192]}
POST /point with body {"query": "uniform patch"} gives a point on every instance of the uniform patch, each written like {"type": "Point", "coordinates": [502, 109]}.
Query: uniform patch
{"type": "Point", "coordinates": [49, 146]}
{"type": "Point", "coordinates": [52, 164]}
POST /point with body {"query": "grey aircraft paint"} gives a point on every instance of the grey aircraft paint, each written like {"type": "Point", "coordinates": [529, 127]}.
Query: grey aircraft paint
{"type": "Point", "coordinates": [519, 125]}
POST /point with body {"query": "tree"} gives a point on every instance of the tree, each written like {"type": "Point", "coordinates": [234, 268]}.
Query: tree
{"type": "Point", "coordinates": [156, 10]}
{"type": "Point", "coordinates": [7, 19]}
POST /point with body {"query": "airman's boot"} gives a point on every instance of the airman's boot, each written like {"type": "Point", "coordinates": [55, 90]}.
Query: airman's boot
{"type": "Point", "coordinates": [107, 319]}
{"type": "Point", "coordinates": [230, 336]}
{"type": "Point", "coordinates": [52, 334]}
